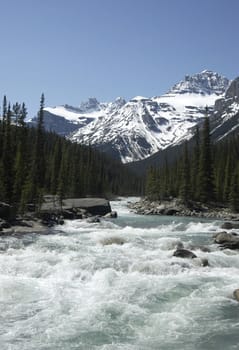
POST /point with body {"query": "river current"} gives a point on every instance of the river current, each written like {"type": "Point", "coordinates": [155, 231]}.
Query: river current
{"type": "Point", "coordinates": [71, 289]}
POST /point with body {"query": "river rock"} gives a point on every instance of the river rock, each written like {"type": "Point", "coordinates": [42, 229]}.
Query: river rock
{"type": "Point", "coordinates": [222, 237]}
{"type": "Point", "coordinates": [205, 262]}
{"type": "Point", "coordinates": [93, 220]}
{"type": "Point", "coordinates": [234, 244]}
{"type": "Point", "coordinates": [112, 240]}
{"type": "Point", "coordinates": [111, 215]}
{"type": "Point", "coordinates": [230, 225]}
{"type": "Point", "coordinates": [4, 224]}
{"type": "Point", "coordinates": [236, 294]}
{"type": "Point", "coordinates": [184, 253]}
{"type": "Point", "coordinates": [93, 206]}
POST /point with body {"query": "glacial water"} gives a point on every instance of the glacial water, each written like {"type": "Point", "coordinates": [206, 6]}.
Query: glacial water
{"type": "Point", "coordinates": [67, 290]}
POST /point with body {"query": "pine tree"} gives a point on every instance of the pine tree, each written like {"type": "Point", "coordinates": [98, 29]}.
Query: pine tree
{"type": "Point", "coordinates": [195, 165]}
{"type": "Point", "coordinates": [234, 192]}
{"type": "Point", "coordinates": [20, 166]}
{"type": "Point", "coordinates": [206, 179]}
{"type": "Point", "coordinates": [35, 182]}
{"type": "Point", "coordinates": [185, 187]}
{"type": "Point", "coordinates": [7, 159]}
{"type": "Point", "coordinates": [152, 184]}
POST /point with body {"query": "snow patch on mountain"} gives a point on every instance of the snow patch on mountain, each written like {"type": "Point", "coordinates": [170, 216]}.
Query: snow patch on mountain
{"type": "Point", "coordinates": [136, 129]}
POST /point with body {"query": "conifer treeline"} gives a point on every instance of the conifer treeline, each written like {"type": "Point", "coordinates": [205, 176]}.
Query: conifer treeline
{"type": "Point", "coordinates": [207, 173]}
{"type": "Point", "coordinates": [34, 162]}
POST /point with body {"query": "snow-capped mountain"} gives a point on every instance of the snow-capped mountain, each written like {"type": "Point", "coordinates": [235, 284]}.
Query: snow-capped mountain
{"type": "Point", "coordinates": [225, 120]}
{"type": "Point", "coordinates": [136, 129]}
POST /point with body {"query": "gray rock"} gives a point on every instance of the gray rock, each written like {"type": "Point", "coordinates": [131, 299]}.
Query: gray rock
{"type": "Point", "coordinates": [230, 225]}
{"type": "Point", "coordinates": [224, 237]}
{"type": "Point", "coordinates": [184, 253]}
{"type": "Point", "coordinates": [93, 220]}
{"type": "Point", "coordinates": [111, 215]}
{"type": "Point", "coordinates": [233, 90]}
{"type": "Point", "coordinates": [94, 206]}
{"type": "Point", "coordinates": [171, 211]}
{"type": "Point", "coordinates": [4, 224]}
{"type": "Point", "coordinates": [236, 294]}
{"type": "Point", "coordinates": [205, 262]}
{"type": "Point", "coordinates": [112, 240]}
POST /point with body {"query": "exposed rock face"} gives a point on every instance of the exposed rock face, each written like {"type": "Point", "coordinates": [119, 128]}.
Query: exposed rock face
{"type": "Point", "coordinates": [142, 126]}
{"type": "Point", "coordinates": [233, 90]}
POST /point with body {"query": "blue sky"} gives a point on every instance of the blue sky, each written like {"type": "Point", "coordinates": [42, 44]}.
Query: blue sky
{"type": "Point", "coordinates": [75, 49]}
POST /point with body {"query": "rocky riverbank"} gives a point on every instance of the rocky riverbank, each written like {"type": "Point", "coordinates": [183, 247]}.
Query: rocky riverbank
{"type": "Point", "coordinates": [52, 212]}
{"type": "Point", "coordinates": [178, 208]}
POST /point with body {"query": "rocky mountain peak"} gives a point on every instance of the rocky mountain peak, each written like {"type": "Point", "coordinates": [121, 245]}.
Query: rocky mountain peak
{"type": "Point", "coordinates": [90, 105]}
{"type": "Point", "coordinates": [205, 83]}
{"type": "Point", "coordinates": [233, 90]}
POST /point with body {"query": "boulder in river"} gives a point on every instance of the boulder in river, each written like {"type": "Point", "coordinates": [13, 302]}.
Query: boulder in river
{"type": "Point", "coordinates": [111, 215]}
{"type": "Point", "coordinates": [93, 206]}
{"type": "Point", "coordinates": [224, 237]}
{"type": "Point", "coordinates": [236, 294]}
{"type": "Point", "coordinates": [112, 240]}
{"type": "Point", "coordinates": [184, 253]}
{"type": "Point", "coordinates": [230, 225]}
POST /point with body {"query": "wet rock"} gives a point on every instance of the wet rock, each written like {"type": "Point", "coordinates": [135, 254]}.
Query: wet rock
{"type": "Point", "coordinates": [222, 237]}
{"type": "Point", "coordinates": [93, 220]}
{"type": "Point", "coordinates": [203, 248]}
{"type": "Point", "coordinates": [111, 215]}
{"type": "Point", "coordinates": [205, 262]}
{"type": "Point", "coordinates": [236, 294]}
{"type": "Point", "coordinates": [184, 253]}
{"type": "Point", "coordinates": [234, 244]}
{"type": "Point", "coordinates": [171, 211]}
{"type": "Point", "coordinates": [74, 208]}
{"type": "Point", "coordinates": [230, 225]}
{"type": "Point", "coordinates": [179, 245]}
{"type": "Point", "coordinates": [4, 224]}
{"type": "Point", "coordinates": [112, 240]}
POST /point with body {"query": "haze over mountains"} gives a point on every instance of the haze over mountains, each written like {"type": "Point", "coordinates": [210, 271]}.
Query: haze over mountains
{"type": "Point", "coordinates": [137, 129]}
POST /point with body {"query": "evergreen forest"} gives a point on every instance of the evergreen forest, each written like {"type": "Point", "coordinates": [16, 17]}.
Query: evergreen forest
{"type": "Point", "coordinates": [206, 173]}
{"type": "Point", "coordinates": [34, 162]}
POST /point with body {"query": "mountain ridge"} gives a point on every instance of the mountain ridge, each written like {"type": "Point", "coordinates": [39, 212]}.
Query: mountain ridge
{"type": "Point", "coordinates": [136, 129]}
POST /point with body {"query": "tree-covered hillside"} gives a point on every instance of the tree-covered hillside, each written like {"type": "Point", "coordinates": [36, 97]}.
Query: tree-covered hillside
{"type": "Point", "coordinates": [207, 173]}
{"type": "Point", "coordinates": [34, 162]}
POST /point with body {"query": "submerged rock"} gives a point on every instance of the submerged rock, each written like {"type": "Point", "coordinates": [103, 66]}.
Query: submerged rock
{"type": "Point", "coordinates": [230, 225]}
{"type": "Point", "coordinates": [236, 294]}
{"type": "Point", "coordinates": [184, 253]}
{"type": "Point", "coordinates": [223, 237]}
{"type": "Point", "coordinates": [93, 220]}
{"type": "Point", "coordinates": [111, 215]}
{"type": "Point", "coordinates": [112, 240]}
{"type": "Point", "coordinates": [227, 240]}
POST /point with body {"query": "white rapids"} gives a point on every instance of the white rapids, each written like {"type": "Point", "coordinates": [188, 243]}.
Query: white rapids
{"type": "Point", "coordinates": [69, 290]}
